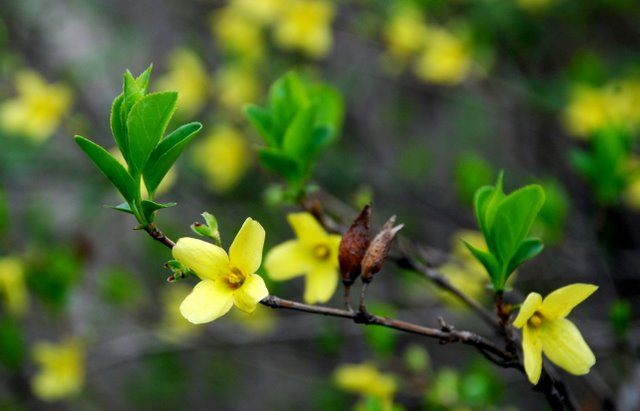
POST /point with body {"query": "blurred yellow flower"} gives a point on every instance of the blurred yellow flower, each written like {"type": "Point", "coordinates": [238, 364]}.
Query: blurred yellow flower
{"type": "Point", "coordinates": [165, 185]}
{"type": "Point", "coordinates": [226, 280]}
{"type": "Point", "coordinates": [401, 33]}
{"type": "Point", "coordinates": [13, 289]}
{"type": "Point", "coordinates": [224, 156]}
{"type": "Point", "coordinates": [586, 112]}
{"type": "Point", "coordinates": [313, 254]}
{"type": "Point", "coordinates": [61, 372]}
{"type": "Point", "coordinates": [188, 76]}
{"type": "Point", "coordinates": [545, 329]}
{"type": "Point", "coordinates": [593, 108]}
{"type": "Point", "coordinates": [37, 109]}
{"type": "Point", "coordinates": [173, 327]}
{"type": "Point", "coordinates": [366, 380]}
{"type": "Point", "coordinates": [465, 272]}
{"type": "Point", "coordinates": [261, 11]}
{"type": "Point", "coordinates": [631, 194]}
{"type": "Point", "coordinates": [236, 33]}
{"type": "Point", "coordinates": [305, 25]}
{"type": "Point", "coordinates": [261, 322]}
{"type": "Point", "coordinates": [237, 86]}
{"type": "Point", "coordinates": [445, 58]}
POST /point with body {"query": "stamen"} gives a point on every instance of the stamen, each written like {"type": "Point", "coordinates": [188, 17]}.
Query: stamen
{"type": "Point", "coordinates": [321, 251]}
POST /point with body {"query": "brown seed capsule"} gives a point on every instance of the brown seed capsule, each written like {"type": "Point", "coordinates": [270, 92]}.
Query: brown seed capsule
{"type": "Point", "coordinates": [353, 246]}
{"type": "Point", "coordinates": [378, 249]}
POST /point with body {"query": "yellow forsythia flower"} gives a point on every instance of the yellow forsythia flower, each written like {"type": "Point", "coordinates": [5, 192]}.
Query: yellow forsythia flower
{"type": "Point", "coordinates": [401, 33]}
{"type": "Point", "coordinates": [37, 109]}
{"type": "Point", "coordinates": [591, 109]}
{"type": "Point", "coordinates": [13, 289]}
{"type": "Point", "coordinates": [545, 329]}
{"type": "Point", "coordinates": [313, 254]}
{"type": "Point", "coordinates": [165, 185]}
{"type": "Point", "coordinates": [226, 280]}
{"type": "Point", "coordinates": [465, 272]}
{"type": "Point", "coordinates": [238, 34]}
{"type": "Point", "coordinates": [224, 156]}
{"type": "Point", "coordinates": [188, 76]}
{"type": "Point", "coordinates": [366, 380]}
{"type": "Point", "coordinates": [61, 372]}
{"type": "Point", "coordinates": [173, 326]}
{"type": "Point", "coordinates": [237, 86]}
{"type": "Point", "coordinates": [445, 59]}
{"type": "Point", "coordinates": [261, 11]}
{"type": "Point", "coordinates": [305, 25]}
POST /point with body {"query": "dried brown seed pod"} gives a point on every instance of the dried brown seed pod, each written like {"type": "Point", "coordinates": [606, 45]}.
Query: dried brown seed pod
{"type": "Point", "coordinates": [378, 249]}
{"type": "Point", "coordinates": [353, 246]}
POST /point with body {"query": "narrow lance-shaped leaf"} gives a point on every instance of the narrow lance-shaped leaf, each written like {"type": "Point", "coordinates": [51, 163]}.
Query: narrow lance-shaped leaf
{"type": "Point", "coordinates": [149, 209]}
{"type": "Point", "coordinates": [166, 154]}
{"type": "Point", "coordinates": [146, 124]}
{"type": "Point", "coordinates": [260, 119]}
{"type": "Point", "coordinates": [490, 264]}
{"type": "Point", "coordinates": [529, 248]}
{"type": "Point", "coordinates": [118, 128]}
{"type": "Point", "coordinates": [297, 139]}
{"type": "Point", "coordinates": [110, 167]}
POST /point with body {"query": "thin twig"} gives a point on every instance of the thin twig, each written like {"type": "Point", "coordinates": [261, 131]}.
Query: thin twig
{"type": "Point", "coordinates": [158, 235]}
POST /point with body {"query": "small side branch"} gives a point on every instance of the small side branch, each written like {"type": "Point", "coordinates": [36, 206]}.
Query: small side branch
{"type": "Point", "coordinates": [158, 235]}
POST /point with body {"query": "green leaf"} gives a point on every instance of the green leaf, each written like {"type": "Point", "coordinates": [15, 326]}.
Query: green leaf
{"type": "Point", "coordinates": [329, 107]}
{"type": "Point", "coordinates": [124, 207]}
{"type": "Point", "coordinates": [297, 138]}
{"type": "Point", "coordinates": [513, 220]}
{"type": "Point", "coordinates": [260, 120]}
{"type": "Point", "coordinates": [166, 153]}
{"type": "Point", "coordinates": [529, 248]}
{"type": "Point", "coordinates": [280, 163]}
{"type": "Point", "coordinates": [110, 167]}
{"type": "Point", "coordinates": [146, 124]}
{"type": "Point", "coordinates": [321, 137]}
{"type": "Point", "coordinates": [489, 262]}
{"type": "Point", "coordinates": [150, 207]}
{"type": "Point", "coordinates": [134, 89]}
{"type": "Point", "coordinates": [118, 128]}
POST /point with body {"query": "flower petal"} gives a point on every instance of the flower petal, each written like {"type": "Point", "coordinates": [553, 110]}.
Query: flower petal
{"type": "Point", "coordinates": [532, 350]}
{"type": "Point", "coordinates": [245, 252]}
{"type": "Point", "coordinates": [208, 300]}
{"type": "Point", "coordinates": [560, 302]}
{"type": "Point", "coordinates": [307, 229]}
{"type": "Point", "coordinates": [530, 305]}
{"type": "Point", "coordinates": [564, 345]}
{"type": "Point", "coordinates": [288, 260]}
{"type": "Point", "coordinates": [321, 283]}
{"type": "Point", "coordinates": [249, 295]}
{"type": "Point", "coordinates": [207, 260]}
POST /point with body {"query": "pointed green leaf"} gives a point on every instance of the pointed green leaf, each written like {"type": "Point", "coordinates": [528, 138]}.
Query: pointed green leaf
{"type": "Point", "coordinates": [297, 139]}
{"type": "Point", "coordinates": [260, 119]}
{"type": "Point", "coordinates": [124, 207]}
{"type": "Point", "coordinates": [146, 124]}
{"type": "Point", "coordinates": [149, 209]}
{"type": "Point", "coordinates": [329, 107]}
{"type": "Point", "coordinates": [280, 163]}
{"type": "Point", "coordinates": [118, 128]}
{"type": "Point", "coordinates": [321, 137]}
{"type": "Point", "coordinates": [166, 153]}
{"type": "Point", "coordinates": [513, 220]}
{"type": "Point", "coordinates": [489, 262]}
{"type": "Point", "coordinates": [110, 167]}
{"type": "Point", "coordinates": [529, 248]}
{"type": "Point", "coordinates": [134, 89]}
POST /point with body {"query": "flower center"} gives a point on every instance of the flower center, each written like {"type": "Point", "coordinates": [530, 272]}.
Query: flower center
{"type": "Point", "coordinates": [535, 320]}
{"type": "Point", "coordinates": [235, 279]}
{"type": "Point", "coordinates": [321, 252]}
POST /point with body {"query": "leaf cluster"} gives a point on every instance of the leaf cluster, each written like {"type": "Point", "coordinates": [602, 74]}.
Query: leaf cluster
{"type": "Point", "coordinates": [505, 222]}
{"type": "Point", "coordinates": [139, 120]}
{"type": "Point", "coordinates": [299, 121]}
